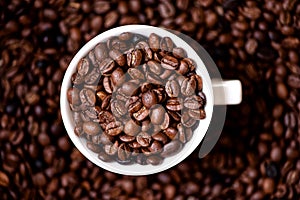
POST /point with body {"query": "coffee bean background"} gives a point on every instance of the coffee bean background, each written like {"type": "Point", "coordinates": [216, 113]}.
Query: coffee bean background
{"type": "Point", "coordinates": [257, 156]}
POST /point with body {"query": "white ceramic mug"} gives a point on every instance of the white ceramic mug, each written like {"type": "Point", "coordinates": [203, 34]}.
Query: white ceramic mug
{"type": "Point", "coordinates": [217, 92]}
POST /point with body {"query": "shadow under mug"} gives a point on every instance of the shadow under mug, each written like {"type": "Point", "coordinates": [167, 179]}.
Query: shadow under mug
{"type": "Point", "coordinates": [217, 91]}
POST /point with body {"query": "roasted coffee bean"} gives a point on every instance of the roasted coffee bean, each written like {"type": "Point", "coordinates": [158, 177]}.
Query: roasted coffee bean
{"type": "Point", "coordinates": [166, 44]}
{"type": "Point", "coordinates": [188, 86]}
{"type": "Point", "coordinates": [197, 113]}
{"type": "Point", "coordinates": [183, 67]}
{"type": "Point", "coordinates": [154, 160]}
{"type": "Point", "coordinates": [93, 77]}
{"type": "Point", "coordinates": [144, 139]}
{"type": "Point", "coordinates": [154, 67]}
{"type": "Point", "coordinates": [106, 103]}
{"type": "Point", "coordinates": [73, 96]}
{"type": "Point", "coordinates": [93, 147]}
{"type": "Point", "coordinates": [193, 102]}
{"type": "Point", "coordinates": [160, 136]}
{"type": "Point", "coordinates": [118, 108]}
{"type": "Point", "coordinates": [134, 58]}
{"type": "Point", "coordinates": [83, 67]}
{"type": "Point", "coordinates": [100, 52]}
{"type": "Point", "coordinates": [135, 73]}
{"type": "Point", "coordinates": [157, 114]}
{"type": "Point", "coordinates": [155, 147]}
{"type": "Point", "coordinates": [154, 79]}
{"type": "Point", "coordinates": [118, 57]}
{"type": "Point", "coordinates": [186, 120]}
{"type": "Point", "coordinates": [171, 132]}
{"type": "Point", "coordinates": [117, 77]}
{"type": "Point", "coordinates": [111, 149]}
{"type": "Point", "coordinates": [114, 128]}
{"type": "Point", "coordinates": [172, 88]}
{"type": "Point", "coordinates": [169, 62]}
{"type": "Point", "coordinates": [127, 138]}
{"type": "Point", "coordinates": [106, 66]}
{"type": "Point", "coordinates": [149, 99]}
{"type": "Point", "coordinates": [104, 157]}
{"type": "Point", "coordinates": [179, 52]}
{"type": "Point", "coordinates": [87, 97]}
{"type": "Point", "coordinates": [174, 104]}
{"type": "Point", "coordinates": [141, 114]}
{"type": "Point", "coordinates": [91, 128]}
{"type": "Point", "coordinates": [107, 85]}
{"type": "Point", "coordinates": [123, 152]}
{"type": "Point", "coordinates": [154, 41]}
{"type": "Point", "coordinates": [171, 148]}
{"type": "Point", "coordinates": [131, 128]}
{"type": "Point", "coordinates": [128, 88]}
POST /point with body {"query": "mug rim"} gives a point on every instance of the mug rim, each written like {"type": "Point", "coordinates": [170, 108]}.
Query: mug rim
{"type": "Point", "coordinates": [137, 169]}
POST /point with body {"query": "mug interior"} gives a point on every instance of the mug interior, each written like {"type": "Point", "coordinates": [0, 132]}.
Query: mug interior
{"type": "Point", "coordinates": [137, 169]}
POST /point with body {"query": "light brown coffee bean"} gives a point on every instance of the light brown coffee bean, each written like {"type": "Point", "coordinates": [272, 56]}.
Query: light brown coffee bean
{"type": "Point", "coordinates": [91, 128]}
{"type": "Point", "coordinates": [197, 113]}
{"type": "Point", "coordinates": [186, 120]}
{"type": "Point", "coordinates": [93, 147]}
{"type": "Point", "coordinates": [193, 102]}
{"type": "Point", "coordinates": [154, 41]}
{"type": "Point", "coordinates": [157, 114]}
{"type": "Point", "coordinates": [111, 149]}
{"type": "Point", "coordinates": [160, 136]}
{"type": "Point", "coordinates": [179, 52]}
{"type": "Point", "coordinates": [124, 152]}
{"type": "Point", "coordinates": [100, 52]}
{"type": "Point", "coordinates": [172, 88]}
{"type": "Point", "coordinates": [166, 44]}
{"type": "Point", "coordinates": [188, 86]}
{"type": "Point", "coordinates": [154, 67]}
{"type": "Point", "coordinates": [118, 57]}
{"type": "Point", "coordinates": [87, 97]}
{"type": "Point", "coordinates": [135, 73]}
{"type": "Point", "coordinates": [106, 66]}
{"type": "Point", "coordinates": [107, 84]}
{"type": "Point", "coordinates": [131, 128]}
{"type": "Point", "coordinates": [83, 67]}
{"type": "Point", "coordinates": [171, 148]}
{"type": "Point", "coordinates": [154, 160]}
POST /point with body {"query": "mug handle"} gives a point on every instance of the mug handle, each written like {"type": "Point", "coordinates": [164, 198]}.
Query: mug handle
{"type": "Point", "coordinates": [227, 92]}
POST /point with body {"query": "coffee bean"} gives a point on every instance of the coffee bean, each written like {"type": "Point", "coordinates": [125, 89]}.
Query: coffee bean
{"type": "Point", "coordinates": [134, 58]}
{"type": "Point", "coordinates": [111, 149]}
{"type": "Point", "coordinates": [174, 104]}
{"type": "Point", "coordinates": [141, 114]}
{"type": "Point", "coordinates": [83, 67]}
{"type": "Point", "coordinates": [4, 180]}
{"type": "Point", "coordinates": [169, 62]}
{"type": "Point", "coordinates": [157, 114]}
{"type": "Point", "coordinates": [131, 128]}
{"type": "Point", "coordinates": [186, 120]}
{"type": "Point", "coordinates": [149, 99]}
{"type": "Point", "coordinates": [93, 147]}
{"type": "Point", "coordinates": [179, 52]}
{"type": "Point", "coordinates": [118, 57]}
{"type": "Point", "coordinates": [197, 113]}
{"type": "Point", "coordinates": [123, 152]}
{"type": "Point", "coordinates": [172, 88]}
{"type": "Point", "coordinates": [171, 133]}
{"type": "Point", "coordinates": [171, 148]}
{"type": "Point", "coordinates": [154, 67]}
{"type": "Point", "coordinates": [107, 85]}
{"type": "Point", "coordinates": [154, 41]}
{"type": "Point", "coordinates": [155, 147]}
{"type": "Point", "coordinates": [104, 157]}
{"type": "Point", "coordinates": [188, 86]}
{"type": "Point", "coordinates": [193, 102]}
{"type": "Point", "coordinates": [166, 44]}
{"type": "Point", "coordinates": [73, 96]}
{"type": "Point", "coordinates": [143, 139]}
{"type": "Point", "coordinates": [135, 73]}
{"type": "Point", "coordinates": [106, 66]}
{"type": "Point", "coordinates": [91, 128]}
{"type": "Point", "coordinates": [154, 160]}
{"type": "Point", "coordinates": [100, 52]}
{"type": "Point", "coordinates": [114, 128]}
{"type": "Point", "coordinates": [118, 108]}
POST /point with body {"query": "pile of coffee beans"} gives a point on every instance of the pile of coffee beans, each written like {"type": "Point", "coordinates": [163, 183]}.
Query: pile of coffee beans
{"type": "Point", "coordinates": [255, 41]}
{"type": "Point", "coordinates": [136, 99]}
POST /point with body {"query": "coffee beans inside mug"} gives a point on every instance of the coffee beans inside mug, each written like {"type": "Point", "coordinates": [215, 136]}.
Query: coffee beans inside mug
{"type": "Point", "coordinates": [136, 99]}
